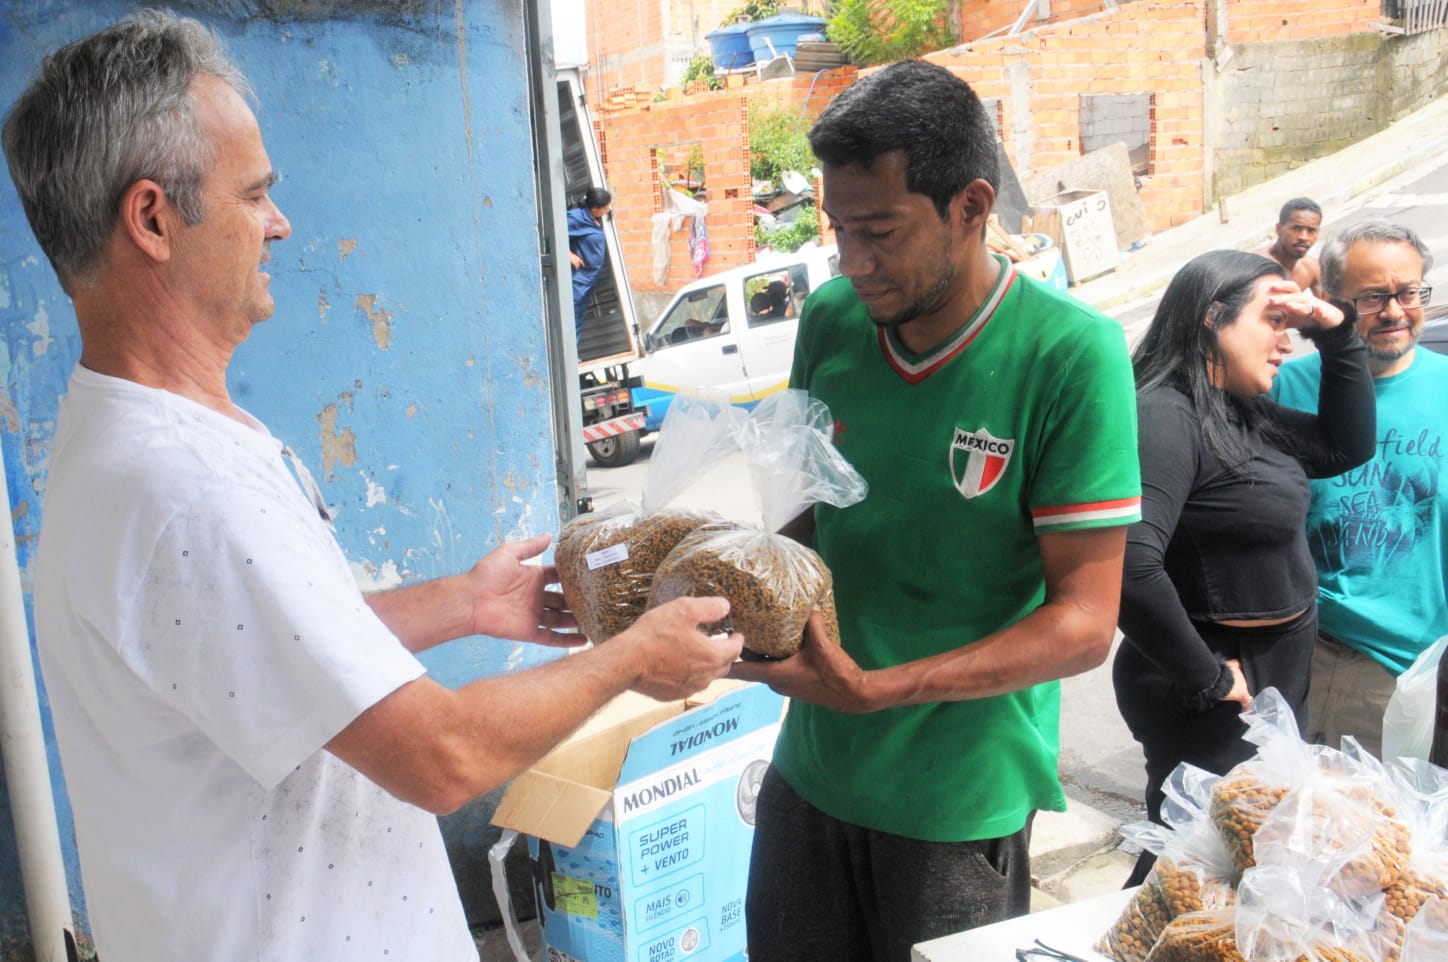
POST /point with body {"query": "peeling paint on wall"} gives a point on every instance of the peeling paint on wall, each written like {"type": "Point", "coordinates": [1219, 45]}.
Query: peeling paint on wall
{"type": "Point", "coordinates": [40, 327]}
{"type": "Point", "coordinates": [323, 305]}
{"type": "Point", "coordinates": [370, 577]}
{"type": "Point", "coordinates": [9, 414]}
{"type": "Point", "coordinates": [376, 494]}
{"type": "Point", "coordinates": [337, 447]}
{"type": "Point", "coordinates": [381, 319]}
{"type": "Point", "coordinates": [345, 247]}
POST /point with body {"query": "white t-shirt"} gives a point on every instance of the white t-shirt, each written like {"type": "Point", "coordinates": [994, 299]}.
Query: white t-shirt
{"type": "Point", "coordinates": [202, 638]}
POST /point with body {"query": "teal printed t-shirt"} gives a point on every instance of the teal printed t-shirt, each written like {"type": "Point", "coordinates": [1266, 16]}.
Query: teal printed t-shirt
{"type": "Point", "coordinates": [1377, 532]}
{"type": "Point", "coordinates": [1022, 424]}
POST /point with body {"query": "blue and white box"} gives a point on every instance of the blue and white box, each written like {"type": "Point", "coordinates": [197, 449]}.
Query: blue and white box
{"type": "Point", "coordinates": [639, 827]}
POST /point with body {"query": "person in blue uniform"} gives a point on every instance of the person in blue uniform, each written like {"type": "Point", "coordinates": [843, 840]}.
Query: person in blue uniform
{"type": "Point", "coordinates": [586, 248]}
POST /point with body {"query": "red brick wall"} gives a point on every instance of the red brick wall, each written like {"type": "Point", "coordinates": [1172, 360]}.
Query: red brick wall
{"type": "Point", "coordinates": [980, 17]}
{"type": "Point", "coordinates": [1250, 21]}
{"type": "Point", "coordinates": [1142, 47]}
{"type": "Point", "coordinates": [625, 47]}
{"type": "Point", "coordinates": [717, 122]}
{"type": "Point", "coordinates": [1154, 47]}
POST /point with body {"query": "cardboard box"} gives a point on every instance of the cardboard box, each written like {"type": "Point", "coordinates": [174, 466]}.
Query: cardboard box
{"type": "Point", "coordinates": [639, 827]}
{"type": "Point", "coordinates": [1079, 221]}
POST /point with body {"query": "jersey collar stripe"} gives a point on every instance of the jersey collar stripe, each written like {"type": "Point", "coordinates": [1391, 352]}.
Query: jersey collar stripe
{"type": "Point", "coordinates": [917, 371]}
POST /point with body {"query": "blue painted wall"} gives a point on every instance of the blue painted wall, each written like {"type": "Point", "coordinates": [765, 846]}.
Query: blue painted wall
{"type": "Point", "coordinates": [406, 362]}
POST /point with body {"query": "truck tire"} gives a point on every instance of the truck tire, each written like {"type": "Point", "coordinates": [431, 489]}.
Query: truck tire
{"type": "Point", "coordinates": [617, 451]}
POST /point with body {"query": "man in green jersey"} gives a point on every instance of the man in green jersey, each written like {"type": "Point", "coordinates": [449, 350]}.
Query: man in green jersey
{"type": "Point", "coordinates": [995, 422]}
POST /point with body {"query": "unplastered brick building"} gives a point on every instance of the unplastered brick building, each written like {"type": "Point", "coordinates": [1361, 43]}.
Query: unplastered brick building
{"type": "Point", "coordinates": [1209, 96]}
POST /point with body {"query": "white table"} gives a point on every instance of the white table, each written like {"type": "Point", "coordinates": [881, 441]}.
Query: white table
{"type": "Point", "coordinates": [1071, 928]}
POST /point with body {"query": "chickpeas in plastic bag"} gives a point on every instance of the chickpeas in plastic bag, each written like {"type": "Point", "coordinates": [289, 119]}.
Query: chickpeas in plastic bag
{"type": "Point", "coordinates": [1209, 936]}
{"type": "Point", "coordinates": [1193, 870]}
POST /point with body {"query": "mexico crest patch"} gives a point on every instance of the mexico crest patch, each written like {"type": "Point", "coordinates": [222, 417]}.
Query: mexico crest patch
{"type": "Point", "coordinates": [977, 460]}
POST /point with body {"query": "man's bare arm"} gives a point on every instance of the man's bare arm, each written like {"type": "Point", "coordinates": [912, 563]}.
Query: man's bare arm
{"type": "Point", "coordinates": [438, 748]}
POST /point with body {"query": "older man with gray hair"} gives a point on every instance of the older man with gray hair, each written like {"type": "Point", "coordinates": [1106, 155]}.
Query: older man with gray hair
{"type": "Point", "coordinates": [1378, 532]}
{"type": "Point", "coordinates": [253, 751]}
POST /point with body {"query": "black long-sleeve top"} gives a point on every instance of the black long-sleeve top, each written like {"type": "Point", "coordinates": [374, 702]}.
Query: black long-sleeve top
{"type": "Point", "coordinates": [1216, 544]}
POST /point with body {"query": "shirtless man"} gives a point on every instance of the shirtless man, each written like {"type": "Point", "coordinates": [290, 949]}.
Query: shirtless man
{"type": "Point", "coordinates": [1297, 228]}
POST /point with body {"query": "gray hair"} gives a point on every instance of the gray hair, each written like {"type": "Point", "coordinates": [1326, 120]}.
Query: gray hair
{"type": "Point", "coordinates": [103, 113]}
{"type": "Point", "coordinates": [1334, 253]}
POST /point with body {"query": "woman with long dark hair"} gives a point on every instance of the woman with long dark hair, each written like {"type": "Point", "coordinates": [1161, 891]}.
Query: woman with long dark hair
{"type": "Point", "coordinates": [1219, 590]}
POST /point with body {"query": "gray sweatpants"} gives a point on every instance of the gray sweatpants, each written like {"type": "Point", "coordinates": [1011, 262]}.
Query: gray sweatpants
{"type": "Point", "coordinates": [820, 888]}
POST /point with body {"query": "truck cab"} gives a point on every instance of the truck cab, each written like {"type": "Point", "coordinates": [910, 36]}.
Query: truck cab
{"type": "Point", "coordinates": [731, 332]}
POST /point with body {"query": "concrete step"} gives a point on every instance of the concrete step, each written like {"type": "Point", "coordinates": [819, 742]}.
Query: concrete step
{"type": "Point", "coordinates": [1060, 840]}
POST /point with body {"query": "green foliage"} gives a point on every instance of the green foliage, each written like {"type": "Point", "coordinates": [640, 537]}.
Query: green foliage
{"type": "Point", "coordinates": [777, 141]}
{"type": "Point", "coordinates": [755, 10]}
{"type": "Point", "coordinates": [880, 31]}
{"type": "Point", "coordinates": [701, 68]}
{"type": "Point", "coordinates": [791, 236]}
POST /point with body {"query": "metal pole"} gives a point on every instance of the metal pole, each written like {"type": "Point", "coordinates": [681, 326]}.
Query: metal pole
{"type": "Point", "coordinates": [27, 772]}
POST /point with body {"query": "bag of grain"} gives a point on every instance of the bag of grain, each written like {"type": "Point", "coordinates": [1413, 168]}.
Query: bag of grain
{"type": "Point", "coordinates": [772, 581]}
{"type": "Point", "coordinates": [606, 559]}
{"type": "Point", "coordinates": [1193, 870]}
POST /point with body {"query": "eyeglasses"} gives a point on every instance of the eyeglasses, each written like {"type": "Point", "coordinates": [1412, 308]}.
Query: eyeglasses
{"type": "Point", "coordinates": [1043, 951]}
{"type": "Point", "coordinates": [1377, 303]}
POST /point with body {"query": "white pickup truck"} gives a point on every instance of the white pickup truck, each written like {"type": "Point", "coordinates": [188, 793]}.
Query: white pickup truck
{"type": "Point", "coordinates": [732, 332]}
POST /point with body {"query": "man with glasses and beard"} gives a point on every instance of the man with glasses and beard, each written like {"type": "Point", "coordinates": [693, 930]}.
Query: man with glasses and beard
{"type": "Point", "coordinates": [1378, 532]}
{"type": "Point", "coordinates": [994, 420]}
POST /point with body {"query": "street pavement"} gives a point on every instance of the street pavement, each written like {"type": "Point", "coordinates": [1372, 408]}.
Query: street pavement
{"type": "Point", "coordinates": [1079, 853]}
{"type": "Point", "coordinates": [1340, 183]}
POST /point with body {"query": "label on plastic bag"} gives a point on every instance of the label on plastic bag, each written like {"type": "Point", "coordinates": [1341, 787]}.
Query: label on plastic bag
{"type": "Point", "coordinates": [611, 555]}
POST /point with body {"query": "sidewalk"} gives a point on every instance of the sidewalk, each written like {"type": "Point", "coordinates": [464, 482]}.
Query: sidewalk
{"type": "Point", "coordinates": [1417, 140]}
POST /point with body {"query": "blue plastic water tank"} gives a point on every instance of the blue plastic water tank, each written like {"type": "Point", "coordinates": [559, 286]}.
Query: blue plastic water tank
{"type": "Point", "coordinates": [781, 32]}
{"type": "Point", "coordinates": [729, 46]}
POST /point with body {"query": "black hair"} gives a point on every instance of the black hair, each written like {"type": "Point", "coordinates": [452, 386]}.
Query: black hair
{"type": "Point", "coordinates": [1180, 350]}
{"type": "Point", "coordinates": [1296, 204]}
{"type": "Point", "coordinates": [926, 112]}
{"type": "Point", "coordinates": [594, 198]}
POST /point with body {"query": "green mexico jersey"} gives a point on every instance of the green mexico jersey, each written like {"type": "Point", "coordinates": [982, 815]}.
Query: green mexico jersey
{"type": "Point", "coordinates": [1022, 424]}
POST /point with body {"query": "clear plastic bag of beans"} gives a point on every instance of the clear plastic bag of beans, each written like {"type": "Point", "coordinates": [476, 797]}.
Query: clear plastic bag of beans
{"type": "Point", "coordinates": [1193, 871]}
{"type": "Point", "coordinates": [1426, 937]}
{"type": "Point", "coordinates": [1423, 804]}
{"type": "Point", "coordinates": [1286, 914]}
{"type": "Point", "coordinates": [1243, 798]}
{"type": "Point", "coordinates": [1209, 936]}
{"type": "Point", "coordinates": [606, 559]}
{"type": "Point", "coordinates": [1342, 817]}
{"type": "Point", "coordinates": [772, 582]}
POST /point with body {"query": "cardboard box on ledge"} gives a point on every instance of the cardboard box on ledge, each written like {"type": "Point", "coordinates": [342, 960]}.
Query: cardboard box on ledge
{"type": "Point", "coordinates": [639, 826]}
{"type": "Point", "coordinates": [1079, 221]}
